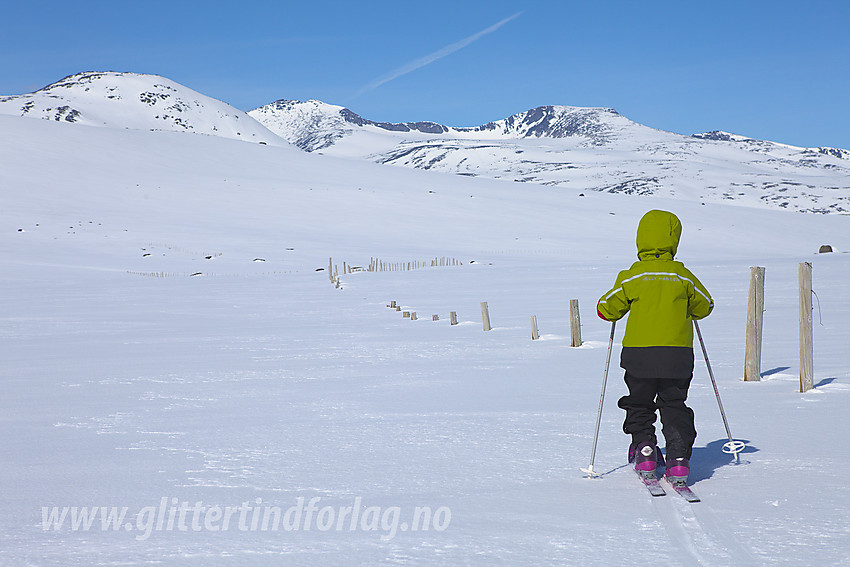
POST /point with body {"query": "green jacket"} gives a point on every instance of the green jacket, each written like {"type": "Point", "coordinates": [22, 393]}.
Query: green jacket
{"type": "Point", "coordinates": [662, 295]}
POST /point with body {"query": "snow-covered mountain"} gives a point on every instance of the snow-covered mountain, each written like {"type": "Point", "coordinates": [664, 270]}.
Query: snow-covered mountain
{"type": "Point", "coordinates": [583, 149]}
{"type": "Point", "coordinates": [137, 102]}
{"type": "Point", "coordinates": [593, 149]}
{"type": "Point", "coordinates": [315, 125]}
{"type": "Point", "coordinates": [762, 145]}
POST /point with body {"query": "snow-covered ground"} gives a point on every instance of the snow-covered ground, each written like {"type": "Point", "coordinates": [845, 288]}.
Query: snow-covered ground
{"type": "Point", "coordinates": [258, 395]}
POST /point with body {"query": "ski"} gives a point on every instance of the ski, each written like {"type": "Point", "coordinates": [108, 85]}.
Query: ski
{"type": "Point", "coordinates": [651, 484]}
{"type": "Point", "coordinates": [683, 490]}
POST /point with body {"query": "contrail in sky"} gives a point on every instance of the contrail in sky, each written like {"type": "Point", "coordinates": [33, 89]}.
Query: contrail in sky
{"type": "Point", "coordinates": [448, 50]}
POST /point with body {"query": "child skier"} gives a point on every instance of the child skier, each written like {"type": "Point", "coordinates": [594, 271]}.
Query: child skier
{"type": "Point", "coordinates": [658, 356]}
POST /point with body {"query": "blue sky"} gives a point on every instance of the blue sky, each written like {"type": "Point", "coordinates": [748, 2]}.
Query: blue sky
{"type": "Point", "coordinates": [776, 70]}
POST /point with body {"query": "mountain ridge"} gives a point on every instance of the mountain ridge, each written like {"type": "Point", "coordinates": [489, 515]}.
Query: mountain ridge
{"type": "Point", "coordinates": [571, 148]}
{"type": "Point", "coordinates": [581, 148]}
{"type": "Point", "coordinates": [306, 123]}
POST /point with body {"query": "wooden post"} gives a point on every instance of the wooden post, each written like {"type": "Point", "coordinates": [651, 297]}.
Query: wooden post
{"type": "Point", "coordinates": [535, 333]}
{"type": "Point", "coordinates": [755, 317]}
{"type": "Point", "coordinates": [453, 317]}
{"type": "Point", "coordinates": [575, 324]}
{"type": "Point", "coordinates": [485, 316]}
{"type": "Point", "coordinates": [806, 357]}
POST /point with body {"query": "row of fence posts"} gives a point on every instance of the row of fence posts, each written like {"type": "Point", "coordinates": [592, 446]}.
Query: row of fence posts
{"type": "Point", "coordinates": [755, 327]}
{"type": "Point", "coordinates": [575, 320]}
{"type": "Point", "coordinates": [156, 274]}
{"type": "Point", "coordinates": [378, 265]}
{"type": "Point", "coordinates": [755, 314]}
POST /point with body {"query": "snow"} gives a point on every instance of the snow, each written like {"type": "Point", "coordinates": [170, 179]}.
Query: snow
{"type": "Point", "coordinates": [139, 102]}
{"type": "Point", "coordinates": [591, 149]}
{"type": "Point", "coordinates": [130, 383]}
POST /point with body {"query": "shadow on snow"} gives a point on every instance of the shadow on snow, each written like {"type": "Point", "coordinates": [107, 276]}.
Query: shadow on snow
{"type": "Point", "coordinates": [706, 460]}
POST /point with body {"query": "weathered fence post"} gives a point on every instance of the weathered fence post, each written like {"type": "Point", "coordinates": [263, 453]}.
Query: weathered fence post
{"type": "Point", "coordinates": [485, 316]}
{"type": "Point", "coordinates": [575, 324]}
{"type": "Point", "coordinates": [806, 356]}
{"type": "Point", "coordinates": [755, 318]}
{"type": "Point", "coordinates": [535, 334]}
{"type": "Point", "coordinates": [453, 317]}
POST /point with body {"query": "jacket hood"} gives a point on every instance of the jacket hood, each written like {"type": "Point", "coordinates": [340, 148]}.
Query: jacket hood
{"type": "Point", "coordinates": [658, 235]}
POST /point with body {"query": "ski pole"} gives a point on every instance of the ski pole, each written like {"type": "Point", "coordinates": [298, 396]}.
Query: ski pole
{"type": "Point", "coordinates": [732, 447]}
{"type": "Point", "coordinates": [589, 470]}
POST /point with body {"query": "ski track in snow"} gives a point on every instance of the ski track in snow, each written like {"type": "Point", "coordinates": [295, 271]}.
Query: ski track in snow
{"type": "Point", "coordinates": [695, 530]}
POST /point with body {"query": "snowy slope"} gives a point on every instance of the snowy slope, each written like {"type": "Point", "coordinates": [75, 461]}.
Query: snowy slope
{"type": "Point", "coordinates": [583, 149]}
{"type": "Point", "coordinates": [139, 102]}
{"type": "Point", "coordinates": [257, 388]}
{"type": "Point", "coordinates": [595, 149]}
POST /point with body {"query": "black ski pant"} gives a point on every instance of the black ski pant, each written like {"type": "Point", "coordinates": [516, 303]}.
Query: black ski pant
{"type": "Point", "coordinates": [646, 395]}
